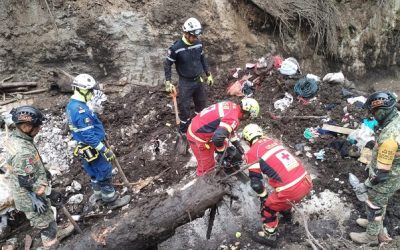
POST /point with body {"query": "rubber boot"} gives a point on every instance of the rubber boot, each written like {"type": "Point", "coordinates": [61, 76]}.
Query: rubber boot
{"type": "Point", "coordinates": [383, 234]}
{"type": "Point", "coordinates": [65, 231]}
{"type": "Point", "coordinates": [120, 202]}
{"type": "Point", "coordinates": [364, 238]}
{"type": "Point", "coordinates": [265, 238]}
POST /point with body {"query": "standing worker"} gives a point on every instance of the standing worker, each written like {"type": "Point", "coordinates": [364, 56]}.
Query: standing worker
{"type": "Point", "coordinates": [286, 175]}
{"type": "Point", "coordinates": [210, 129]}
{"type": "Point", "coordinates": [89, 132]}
{"type": "Point", "coordinates": [190, 62]}
{"type": "Point", "coordinates": [29, 179]}
{"type": "Point", "coordinates": [384, 169]}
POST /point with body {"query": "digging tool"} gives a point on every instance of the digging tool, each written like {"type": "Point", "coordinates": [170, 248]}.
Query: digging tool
{"type": "Point", "coordinates": [237, 171]}
{"type": "Point", "coordinates": [219, 163]}
{"type": "Point", "coordinates": [66, 213]}
{"type": "Point", "coordinates": [181, 141]}
{"type": "Point", "coordinates": [125, 180]}
{"type": "Point", "coordinates": [213, 212]}
{"type": "Point", "coordinates": [173, 95]}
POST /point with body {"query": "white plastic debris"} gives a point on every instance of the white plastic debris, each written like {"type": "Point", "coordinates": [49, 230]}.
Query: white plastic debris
{"type": "Point", "coordinates": [361, 99]}
{"type": "Point", "coordinates": [334, 77]}
{"type": "Point", "coordinates": [284, 103]}
{"type": "Point", "coordinates": [75, 199]}
{"type": "Point", "coordinates": [314, 77]}
{"type": "Point", "coordinates": [289, 67]}
{"type": "Point", "coordinates": [76, 185]}
{"type": "Point", "coordinates": [76, 217]}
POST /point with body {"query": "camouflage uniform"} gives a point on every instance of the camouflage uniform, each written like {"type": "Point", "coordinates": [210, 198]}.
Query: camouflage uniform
{"type": "Point", "coordinates": [24, 160]}
{"type": "Point", "coordinates": [380, 193]}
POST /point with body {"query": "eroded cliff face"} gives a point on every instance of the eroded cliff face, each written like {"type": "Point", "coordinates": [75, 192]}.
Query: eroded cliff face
{"type": "Point", "coordinates": [127, 38]}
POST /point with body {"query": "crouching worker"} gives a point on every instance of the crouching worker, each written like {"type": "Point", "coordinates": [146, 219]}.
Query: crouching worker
{"type": "Point", "coordinates": [211, 129]}
{"type": "Point", "coordinates": [29, 179]}
{"type": "Point", "coordinates": [88, 131]}
{"type": "Point", "coordinates": [286, 175]}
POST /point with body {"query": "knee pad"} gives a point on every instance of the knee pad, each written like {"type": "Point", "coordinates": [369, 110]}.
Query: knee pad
{"type": "Point", "coordinates": [374, 213]}
{"type": "Point", "coordinates": [49, 233]}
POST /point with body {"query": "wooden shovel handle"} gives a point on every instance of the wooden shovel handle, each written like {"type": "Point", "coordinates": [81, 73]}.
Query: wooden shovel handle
{"type": "Point", "coordinates": [173, 95]}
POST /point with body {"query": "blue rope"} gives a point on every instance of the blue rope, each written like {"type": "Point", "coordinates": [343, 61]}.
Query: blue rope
{"type": "Point", "coordinates": [306, 88]}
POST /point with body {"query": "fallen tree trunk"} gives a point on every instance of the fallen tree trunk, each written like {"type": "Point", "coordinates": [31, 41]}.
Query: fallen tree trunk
{"type": "Point", "coordinates": [6, 85]}
{"type": "Point", "coordinates": [151, 222]}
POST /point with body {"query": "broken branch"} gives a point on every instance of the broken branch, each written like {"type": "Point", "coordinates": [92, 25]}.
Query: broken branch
{"type": "Point", "coordinates": [17, 84]}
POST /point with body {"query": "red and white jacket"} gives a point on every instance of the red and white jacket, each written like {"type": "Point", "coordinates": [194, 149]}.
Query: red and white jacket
{"type": "Point", "coordinates": [269, 157]}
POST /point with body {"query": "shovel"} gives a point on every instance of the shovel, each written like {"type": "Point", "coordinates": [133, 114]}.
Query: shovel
{"type": "Point", "coordinates": [181, 141]}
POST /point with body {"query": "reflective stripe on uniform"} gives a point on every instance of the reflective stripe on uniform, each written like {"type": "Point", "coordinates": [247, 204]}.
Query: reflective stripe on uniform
{"type": "Point", "coordinates": [194, 136]}
{"type": "Point", "coordinates": [291, 184]}
{"type": "Point", "coordinates": [271, 152]}
{"type": "Point", "coordinates": [74, 129]}
{"type": "Point", "coordinates": [169, 58]}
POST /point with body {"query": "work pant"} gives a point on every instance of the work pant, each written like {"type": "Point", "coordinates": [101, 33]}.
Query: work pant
{"type": "Point", "coordinates": [379, 196]}
{"type": "Point", "coordinates": [278, 202]}
{"type": "Point", "coordinates": [188, 90]}
{"type": "Point", "coordinates": [204, 154]}
{"type": "Point", "coordinates": [100, 172]}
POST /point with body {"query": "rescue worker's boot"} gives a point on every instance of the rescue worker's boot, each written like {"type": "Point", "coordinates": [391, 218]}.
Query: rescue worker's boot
{"type": "Point", "coordinates": [364, 238]}
{"type": "Point", "coordinates": [64, 231]}
{"type": "Point", "coordinates": [383, 234]}
{"type": "Point", "coordinates": [266, 237]}
{"type": "Point", "coordinates": [119, 202]}
{"type": "Point", "coordinates": [96, 196]}
{"type": "Point", "coordinates": [182, 145]}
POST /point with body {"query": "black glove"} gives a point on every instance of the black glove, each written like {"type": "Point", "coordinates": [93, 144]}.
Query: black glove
{"type": "Point", "coordinates": [218, 157]}
{"type": "Point", "coordinates": [238, 146]}
{"type": "Point", "coordinates": [233, 157]}
{"type": "Point", "coordinates": [381, 176]}
{"type": "Point", "coordinates": [55, 198]}
{"type": "Point", "coordinates": [39, 204]}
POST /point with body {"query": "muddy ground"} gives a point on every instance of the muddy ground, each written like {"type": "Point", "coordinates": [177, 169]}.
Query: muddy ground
{"type": "Point", "coordinates": [103, 39]}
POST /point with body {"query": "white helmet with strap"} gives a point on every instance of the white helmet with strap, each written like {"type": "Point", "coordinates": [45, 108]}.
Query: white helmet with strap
{"type": "Point", "coordinates": [84, 81]}
{"type": "Point", "coordinates": [193, 26]}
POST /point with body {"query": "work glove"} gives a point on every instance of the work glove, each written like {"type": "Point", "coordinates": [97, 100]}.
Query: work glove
{"type": "Point", "coordinates": [233, 156]}
{"type": "Point", "coordinates": [39, 204]}
{"type": "Point", "coordinates": [219, 156]}
{"type": "Point", "coordinates": [380, 176]}
{"type": "Point", "coordinates": [210, 79]}
{"type": "Point", "coordinates": [169, 87]}
{"type": "Point", "coordinates": [108, 154]}
{"type": "Point", "coordinates": [239, 147]}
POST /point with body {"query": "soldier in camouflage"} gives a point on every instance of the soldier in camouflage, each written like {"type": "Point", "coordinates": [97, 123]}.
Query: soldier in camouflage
{"type": "Point", "coordinates": [28, 177]}
{"type": "Point", "coordinates": [384, 169]}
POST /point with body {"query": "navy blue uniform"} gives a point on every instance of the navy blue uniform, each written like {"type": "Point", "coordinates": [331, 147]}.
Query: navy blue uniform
{"type": "Point", "coordinates": [87, 129]}
{"type": "Point", "coordinates": [190, 63]}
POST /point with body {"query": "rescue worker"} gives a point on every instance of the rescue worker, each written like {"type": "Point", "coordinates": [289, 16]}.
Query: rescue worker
{"type": "Point", "coordinates": [88, 131]}
{"type": "Point", "coordinates": [190, 62]}
{"type": "Point", "coordinates": [384, 169]}
{"type": "Point", "coordinates": [29, 179]}
{"type": "Point", "coordinates": [286, 175]}
{"type": "Point", "coordinates": [211, 128]}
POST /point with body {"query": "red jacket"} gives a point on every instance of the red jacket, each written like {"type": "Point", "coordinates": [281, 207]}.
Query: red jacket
{"type": "Point", "coordinates": [281, 167]}
{"type": "Point", "coordinates": [216, 123]}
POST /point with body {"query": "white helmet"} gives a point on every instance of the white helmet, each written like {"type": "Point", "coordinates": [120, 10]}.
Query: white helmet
{"type": "Point", "coordinates": [84, 81]}
{"type": "Point", "coordinates": [193, 26]}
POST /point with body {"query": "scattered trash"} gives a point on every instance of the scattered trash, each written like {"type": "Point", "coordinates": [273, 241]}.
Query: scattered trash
{"type": "Point", "coordinates": [370, 123]}
{"type": "Point", "coordinates": [306, 87]}
{"type": "Point", "coordinates": [334, 77]}
{"type": "Point", "coordinates": [75, 199]}
{"type": "Point", "coordinates": [290, 67]}
{"type": "Point", "coordinates": [236, 74]}
{"type": "Point", "coordinates": [361, 99]}
{"type": "Point", "coordinates": [313, 77]}
{"type": "Point", "coordinates": [320, 155]}
{"type": "Point", "coordinates": [76, 217]}
{"type": "Point", "coordinates": [362, 135]}
{"type": "Point", "coordinates": [238, 234]}
{"type": "Point", "coordinates": [310, 133]}
{"type": "Point", "coordinates": [284, 103]}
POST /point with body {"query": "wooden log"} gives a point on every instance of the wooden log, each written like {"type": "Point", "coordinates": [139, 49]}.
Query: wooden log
{"type": "Point", "coordinates": [6, 85]}
{"type": "Point", "coordinates": [337, 129]}
{"type": "Point", "coordinates": [151, 222]}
